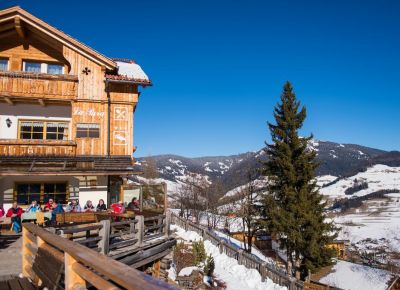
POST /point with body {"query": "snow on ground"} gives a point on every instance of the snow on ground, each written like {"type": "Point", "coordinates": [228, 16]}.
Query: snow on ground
{"type": "Point", "coordinates": [357, 277]}
{"type": "Point", "coordinates": [375, 225]}
{"type": "Point", "coordinates": [378, 177]}
{"type": "Point", "coordinates": [236, 277]}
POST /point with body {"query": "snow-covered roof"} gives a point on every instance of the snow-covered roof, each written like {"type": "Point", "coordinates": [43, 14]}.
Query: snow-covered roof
{"type": "Point", "coordinates": [128, 70]}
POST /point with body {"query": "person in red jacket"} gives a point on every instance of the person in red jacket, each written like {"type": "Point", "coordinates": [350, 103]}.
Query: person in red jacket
{"type": "Point", "coordinates": [15, 213]}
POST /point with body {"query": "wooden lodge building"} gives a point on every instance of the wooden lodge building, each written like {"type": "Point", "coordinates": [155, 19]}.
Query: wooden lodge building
{"type": "Point", "coordinates": [66, 115]}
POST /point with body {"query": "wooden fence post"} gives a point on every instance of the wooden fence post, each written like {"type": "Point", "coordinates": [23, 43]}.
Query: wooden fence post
{"type": "Point", "coordinates": [263, 271]}
{"type": "Point", "coordinates": [221, 246]}
{"type": "Point", "coordinates": [240, 257]}
{"type": "Point", "coordinates": [104, 233]}
{"type": "Point", "coordinates": [167, 223]}
{"type": "Point", "coordinates": [140, 228]}
{"type": "Point", "coordinates": [25, 263]}
{"type": "Point", "coordinates": [72, 280]}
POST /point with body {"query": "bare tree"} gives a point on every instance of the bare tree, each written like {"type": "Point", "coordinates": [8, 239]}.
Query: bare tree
{"type": "Point", "coordinates": [249, 210]}
{"type": "Point", "coordinates": [212, 195]}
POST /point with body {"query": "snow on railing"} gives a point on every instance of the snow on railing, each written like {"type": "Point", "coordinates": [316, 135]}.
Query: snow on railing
{"type": "Point", "coordinates": [248, 260]}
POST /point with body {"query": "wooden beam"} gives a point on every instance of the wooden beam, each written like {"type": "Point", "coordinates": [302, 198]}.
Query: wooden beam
{"type": "Point", "coordinates": [8, 26]}
{"type": "Point", "coordinates": [19, 27]}
{"type": "Point", "coordinates": [8, 100]}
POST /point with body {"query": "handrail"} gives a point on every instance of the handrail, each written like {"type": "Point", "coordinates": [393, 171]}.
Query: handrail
{"type": "Point", "coordinates": [115, 271]}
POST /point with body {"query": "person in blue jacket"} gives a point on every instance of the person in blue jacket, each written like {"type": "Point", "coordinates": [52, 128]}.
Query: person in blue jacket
{"type": "Point", "coordinates": [57, 208]}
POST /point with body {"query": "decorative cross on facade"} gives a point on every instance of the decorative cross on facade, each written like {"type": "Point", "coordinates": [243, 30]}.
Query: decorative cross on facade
{"type": "Point", "coordinates": [86, 71]}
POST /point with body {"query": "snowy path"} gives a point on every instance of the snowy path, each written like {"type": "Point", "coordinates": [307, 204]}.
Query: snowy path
{"type": "Point", "coordinates": [237, 277]}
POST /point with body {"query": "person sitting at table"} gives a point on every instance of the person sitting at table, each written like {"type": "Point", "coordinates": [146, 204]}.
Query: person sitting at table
{"type": "Point", "coordinates": [15, 213]}
{"type": "Point", "coordinates": [2, 212]}
{"type": "Point", "coordinates": [56, 208]}
{"type": "Point", "coordinates": [89, 206]}
{"type": "Point", "coordinates": [134, 204]}
{"type": "Point", "coordinates": [73, 206]}
{"type": "Point", "coordinates": [118, 207]}
{"type": "Point", "coordinates": [49, 205]}
{"type": "Point", "coordinates": [34, 207]}
{"type": "Point", "coordinates": [101, 206]}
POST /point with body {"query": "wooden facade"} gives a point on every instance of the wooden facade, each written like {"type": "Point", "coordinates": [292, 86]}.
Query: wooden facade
{"type": "Point", "coordinates": [63, 104]}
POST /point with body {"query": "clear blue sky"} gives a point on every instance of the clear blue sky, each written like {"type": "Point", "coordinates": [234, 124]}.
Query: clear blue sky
{"type": "Point", "coordinates": [218, 67]}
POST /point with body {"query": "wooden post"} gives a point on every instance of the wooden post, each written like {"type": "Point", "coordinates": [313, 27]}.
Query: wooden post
{"type": "Point", "coordinates": [140, 228]}
{"type": "Point", "coordinates": [263, 269]}
{"type": "Point", "coordinates": [240, 257]}
{"type": "Point", "coordinates": [221, 246]}
{"type": "Point", "coordinates": [104, 233]}
{"type": "Point", "coordinates": [25, 262]}
{"type": "Point", "coordinates": [72, 280]}
{"type": "Point", "coordinates": [167, 223]}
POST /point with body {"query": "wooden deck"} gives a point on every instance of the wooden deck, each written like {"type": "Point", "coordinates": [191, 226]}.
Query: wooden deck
{"type": "Point", "coordinates": [17, 284]}
{"type": "Point", "coordinates": [56, 262]}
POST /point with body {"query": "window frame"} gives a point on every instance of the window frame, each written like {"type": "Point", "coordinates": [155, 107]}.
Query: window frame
{"type": "Point", "coordinates": [43, 66]}
{"type": "Point", "coordinates": [44, 132]}
{"type": "Point", "coordinates": [41, 191]}
{"type": "Point", "coordinates": [87, 131]}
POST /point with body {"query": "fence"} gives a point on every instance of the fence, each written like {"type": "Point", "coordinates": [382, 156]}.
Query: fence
{"type": "Point", "coordinates": [243, 258]}
{"type": "Point", "coordinates": [106, 236]}
{"type": "Point", "coordinates": [52, 261]}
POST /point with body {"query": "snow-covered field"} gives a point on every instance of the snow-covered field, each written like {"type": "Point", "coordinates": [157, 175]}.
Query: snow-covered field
{"type": "Point", "coordinates": [378, 177]}
{"type": "Point", "coordinates": [351, 276]}
{"type": "Point", "coordinates": [236, 277]}
{"type": "Point", "coordinates": [374, 226]}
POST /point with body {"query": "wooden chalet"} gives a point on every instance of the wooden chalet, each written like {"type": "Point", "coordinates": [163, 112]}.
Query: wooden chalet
{"type": "Point", "coordinates": [66, 115]}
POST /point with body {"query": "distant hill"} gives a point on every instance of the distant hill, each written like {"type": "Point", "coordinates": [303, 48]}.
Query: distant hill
{"type": "Point", "coordinates": [335, 159]}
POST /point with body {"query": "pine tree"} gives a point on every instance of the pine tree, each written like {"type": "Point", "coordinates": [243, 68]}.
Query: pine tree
{"type": "Point", "coordinates": [294, 207]}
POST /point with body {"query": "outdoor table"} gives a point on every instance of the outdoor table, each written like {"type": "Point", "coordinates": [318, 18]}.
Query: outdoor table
{"type": "Point", "coordinates": [32, 215]}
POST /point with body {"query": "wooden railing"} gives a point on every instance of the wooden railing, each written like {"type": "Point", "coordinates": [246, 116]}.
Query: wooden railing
{"type": "Point", "coordinates": [106, 236]}
{"type": "Point", "coordinates": [50, 260]}
{"type": "Point", "coordinates": [38, 86]}
{"type": "Point", "coordinates": [21, 147]}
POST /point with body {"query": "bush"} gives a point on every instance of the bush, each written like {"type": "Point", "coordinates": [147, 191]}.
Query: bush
{"type": "Point", "coordinates": [182, 257]}
{"type": "Point", "coordinates": [199, 252]}
{"type": "Point", "coordinates": [356, 187]}
{"type": "Point", "coordinates": [209, 266]}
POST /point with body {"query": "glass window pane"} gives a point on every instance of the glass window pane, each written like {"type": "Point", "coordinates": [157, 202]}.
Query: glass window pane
{"type": "Point", "coordinates": [33, 67]}
{"type": "Point", "coordinates": [94, 133]}
{"type": "Point", "coordinates": [22, 188]}
{"type": "Point", "coordinates": [54, 69]}
{"type": "Point", "coordinates": [61, 188]}
{"type": "Point", "coordinates": [3, 64]}
{"type": "Point", "coordinates": [37, 136]}
{"type": "Point", "coordinates": [51, 136]}
{"type": "Point", "coordinates": [22, 199]}
{"type": "Point", "coordinates": [35, 188]}
{"type": "Point", "coordinates": [81, 133]}
{"type": "Point", "coordinates": [49, 188]}
{"type": "Point", "coordinates": [25, 135]}
{"type": "Point", "coordinates": [51, 129]}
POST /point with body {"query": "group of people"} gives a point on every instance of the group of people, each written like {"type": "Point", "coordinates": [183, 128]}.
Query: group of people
{"type": "Point", "coordinates": [52, 206]}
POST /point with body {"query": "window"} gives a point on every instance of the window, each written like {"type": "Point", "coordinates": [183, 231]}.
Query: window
{"type": "Point", "coordinates": [56, 191]}
{"type": "Point", "coordinates": [27, 192]}
{"type": "Point", "coordinates": [41, 192]}
{"type": "Point", "coordinates": [35, 67]}
{"type": "Point", "coordinates": [3, 65]}
{"type": "Point", "coordinates": [31, 130]}
{"type": "Point", "coordinates": [56, 131]}
{"type": "Point", "coordinates": [54, 69]}
{"type": "Point", "coordinates": [87, 130]}
{"type": "Point", "coordinates": [40, 130]}
{"type": "Point", "coordinates": [42, 67]}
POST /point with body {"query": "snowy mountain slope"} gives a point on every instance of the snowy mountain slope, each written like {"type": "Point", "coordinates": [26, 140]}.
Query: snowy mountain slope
{"type": "Point", "coordinates": [335, 160]}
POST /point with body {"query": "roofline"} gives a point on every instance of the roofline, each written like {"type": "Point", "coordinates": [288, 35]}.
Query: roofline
{"type": "Point", "coordinates": [12, 12]}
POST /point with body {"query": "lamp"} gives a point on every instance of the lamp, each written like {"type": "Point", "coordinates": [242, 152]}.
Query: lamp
{"type": "Point", "coordinates": [8, 122]}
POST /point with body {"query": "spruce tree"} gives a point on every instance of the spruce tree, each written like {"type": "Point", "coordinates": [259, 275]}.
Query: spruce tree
{"type": "Point", "coordinates": [293, 206]}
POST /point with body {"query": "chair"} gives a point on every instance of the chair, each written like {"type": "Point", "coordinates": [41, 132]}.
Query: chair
{"type": "Point", "coordinates": [40, 217]}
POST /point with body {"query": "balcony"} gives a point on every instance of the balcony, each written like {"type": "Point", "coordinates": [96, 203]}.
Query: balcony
{"type": "Point", "coordinates": [37, 86]}
{"type": "Point", "coordinates": [20, 147]}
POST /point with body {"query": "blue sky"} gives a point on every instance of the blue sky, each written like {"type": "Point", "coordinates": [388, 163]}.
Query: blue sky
{"type": "Point", "coordinates": [218, 67]}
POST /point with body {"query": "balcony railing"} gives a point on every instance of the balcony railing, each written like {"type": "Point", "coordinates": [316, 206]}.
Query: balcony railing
{"type": "Point", "coordinates": [38, 85]}
{"type": "Point", "coordinates": [20, 147]}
